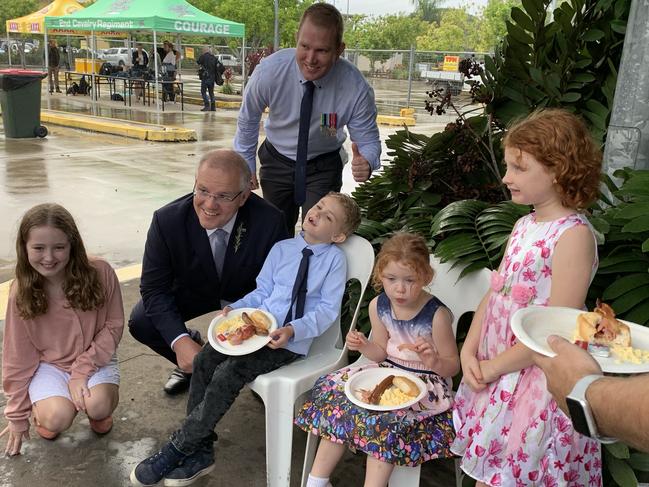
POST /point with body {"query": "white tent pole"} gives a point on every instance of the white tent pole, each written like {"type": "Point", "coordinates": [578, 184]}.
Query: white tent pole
{"type": "Point", "coordinates": [93, 47]}
{"type": "Point", "coordinates": [180, 61]}
{"type": "Point", "coordinates": [46, 48]}
{"type": "Point", "coordinates": [9, 47]}
{"type": "Point", "coordinates": [155, 62]}
{"type": "Point", "coordinates": [68, 49]}
{"type": "Point", "coordinates": [244, 71]}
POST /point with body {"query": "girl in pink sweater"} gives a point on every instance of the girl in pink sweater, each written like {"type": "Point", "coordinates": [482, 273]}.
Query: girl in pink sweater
{"type": "Point", "coordinates": [64, 321]}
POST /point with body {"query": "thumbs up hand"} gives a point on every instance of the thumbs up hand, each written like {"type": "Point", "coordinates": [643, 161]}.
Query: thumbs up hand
{"type": "Point", "coordinates": [360, 165]}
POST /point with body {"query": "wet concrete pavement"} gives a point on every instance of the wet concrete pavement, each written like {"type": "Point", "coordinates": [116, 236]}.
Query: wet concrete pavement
{"type": "Point", "coordinates": [112, 185]}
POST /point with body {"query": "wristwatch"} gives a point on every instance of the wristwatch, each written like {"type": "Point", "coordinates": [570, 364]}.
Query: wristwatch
{"type": "Point", "coordinates": [582, 416]}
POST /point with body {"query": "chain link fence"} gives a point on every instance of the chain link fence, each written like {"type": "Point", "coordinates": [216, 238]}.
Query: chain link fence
{"type": "Point", "coordinates": [400, 78]}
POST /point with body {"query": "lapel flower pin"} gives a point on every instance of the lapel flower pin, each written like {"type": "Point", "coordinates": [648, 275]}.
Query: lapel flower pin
{"type": "Point", "coordinates": [238, 235]}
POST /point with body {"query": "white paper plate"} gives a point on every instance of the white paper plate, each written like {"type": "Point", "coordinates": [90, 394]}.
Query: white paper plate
{"type": "Point", "coordinates": [370, 378]}
{"type": "Point", "coordinates": [250, 345]}
{"type": "Point", "coordinates": [533, 325]}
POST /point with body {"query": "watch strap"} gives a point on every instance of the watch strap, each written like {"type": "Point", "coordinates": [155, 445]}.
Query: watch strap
{"type": "Point", "coordinates": [581, 414]}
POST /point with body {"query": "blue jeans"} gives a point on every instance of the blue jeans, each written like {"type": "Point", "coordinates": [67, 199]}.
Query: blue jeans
{"type": "Point", "coordinates": [207, 85]}
{"type": "Point", "coordinates": [216, 382]}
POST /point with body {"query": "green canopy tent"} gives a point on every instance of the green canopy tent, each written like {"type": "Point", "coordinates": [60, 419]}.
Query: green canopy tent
{"type": "Point", "coordinates": [161, 16]}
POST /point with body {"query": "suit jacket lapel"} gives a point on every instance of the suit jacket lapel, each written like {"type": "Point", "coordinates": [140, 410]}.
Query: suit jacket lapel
{"type": "Point", "coordinates": [201, 246]}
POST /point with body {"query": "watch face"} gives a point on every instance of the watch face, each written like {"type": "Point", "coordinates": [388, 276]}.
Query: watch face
{"type": "Point", "coordinates": [578, 416]}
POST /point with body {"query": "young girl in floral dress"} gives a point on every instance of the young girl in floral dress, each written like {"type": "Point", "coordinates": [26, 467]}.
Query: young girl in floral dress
{"type": "Point", "coordinates": [411, 331]}
{"type": "Point", "coordinates": [509, 429]}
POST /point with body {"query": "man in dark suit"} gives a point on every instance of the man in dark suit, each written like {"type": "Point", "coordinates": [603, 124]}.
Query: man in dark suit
{"type": "Point", "coordinates": [203, 248]}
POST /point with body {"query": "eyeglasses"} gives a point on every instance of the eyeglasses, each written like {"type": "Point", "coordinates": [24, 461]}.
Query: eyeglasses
{"type": "Point", "coordinates": [219, 198]}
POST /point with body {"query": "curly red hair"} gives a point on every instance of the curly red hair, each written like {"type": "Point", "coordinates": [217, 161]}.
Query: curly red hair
{"type": "Point", "coordinates": [409, 249]}
{"type": "Point", "coordinates": [561, 142]}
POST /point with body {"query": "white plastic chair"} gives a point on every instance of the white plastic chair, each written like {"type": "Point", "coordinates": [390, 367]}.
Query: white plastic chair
{"type": "Point", "coordinates": [281, 388]}
{"type": "Point", "coordinates": [460, 296]}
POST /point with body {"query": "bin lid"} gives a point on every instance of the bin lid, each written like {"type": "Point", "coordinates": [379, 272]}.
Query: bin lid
{"type": "Point", "coordinates": [13, 79]}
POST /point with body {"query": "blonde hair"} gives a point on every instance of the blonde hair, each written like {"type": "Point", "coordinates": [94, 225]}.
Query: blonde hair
{"type": "Point", "coordinates": [409, 249]}
{"type": "Point", "coordinates": [351, 211]}
{"type": "Point", "coordinates": [82, 287]}
{"type": "Point", "coordinates": [561, 142]}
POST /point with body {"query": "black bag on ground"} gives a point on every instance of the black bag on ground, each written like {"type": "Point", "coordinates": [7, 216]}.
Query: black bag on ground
{"type": "Point", "coordinates": [106, 69]}
{"type": "Point", "coordinates": [84, 86]}
{"type": "Point", "coordinates": [116, 97]}
{"type": "Point", "coordinates": [219, 69]}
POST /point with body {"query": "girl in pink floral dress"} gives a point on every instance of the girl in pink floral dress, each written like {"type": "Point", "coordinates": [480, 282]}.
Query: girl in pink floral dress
{"type": "Point", "coordinates": [510, 431]}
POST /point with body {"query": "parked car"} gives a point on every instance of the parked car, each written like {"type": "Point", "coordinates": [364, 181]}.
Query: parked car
{"type": "Point", "coordinates": [118, 56]}
{"type": "Point", "coordinates": [228, 60]}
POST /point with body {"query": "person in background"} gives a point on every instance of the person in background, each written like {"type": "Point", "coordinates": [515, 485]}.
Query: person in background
{"type": "Point", "coordinates": [202, 250]}
{"type": "Point", "coordinates": [207, 75]}
{"type": "Point", "coordinates": [140, 58]}
{"type": "Point", "coordinates": [54, 60]}
{"type": "Point", "coordinates": [64, 321]}
{"type": "Point", "coordinates": [140, 62]}
{"type": "Point", "coordinates": [312, 94]}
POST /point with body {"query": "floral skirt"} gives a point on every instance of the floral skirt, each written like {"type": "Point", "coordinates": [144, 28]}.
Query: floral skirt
{"type": "Point", "coordinates": [402, 437]}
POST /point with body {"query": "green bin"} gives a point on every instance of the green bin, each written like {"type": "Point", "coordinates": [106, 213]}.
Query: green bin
{"type": "Point", "coordinates": [20, 99]}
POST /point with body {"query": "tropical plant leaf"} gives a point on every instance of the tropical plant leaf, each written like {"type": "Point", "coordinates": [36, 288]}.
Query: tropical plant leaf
{"type": "Point", "coordinates": [637, 225]}
{"type": "Point", "coordinates": [639, 461]}
{"type": "Point", "coordinates": [621, 472]}
{"type": "Point", "coordinates": [625, 284]}
{"type": "Point", "coordinates": [618, 450]}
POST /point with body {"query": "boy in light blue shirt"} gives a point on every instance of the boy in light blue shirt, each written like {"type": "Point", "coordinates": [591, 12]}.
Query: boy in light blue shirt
{"type": "Point", "coordinates": [217, 378]}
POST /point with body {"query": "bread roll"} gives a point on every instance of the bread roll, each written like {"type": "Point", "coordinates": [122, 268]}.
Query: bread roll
{"type": "Point", "coordinates": [406, 386]}
{"type": "Point", "coordinates": [587, 326]}
{"type": "Point", "coordinates": [593, 327]}
{"type": "Point", "coordinates": [261, 319]}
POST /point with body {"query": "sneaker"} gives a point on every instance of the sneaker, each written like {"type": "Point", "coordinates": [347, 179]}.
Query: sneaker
{"type": "Point", "coordinates": [152, 470]}
{"type": "Point", "coordinates": [101, 426]}
{"type": "Point", "coordinates": [191, 469]}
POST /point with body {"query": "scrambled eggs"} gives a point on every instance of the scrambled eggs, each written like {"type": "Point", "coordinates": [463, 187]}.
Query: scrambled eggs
{"type": "Point", "coordinates": [629, 355]}
{"type": "Point", "coordinates": [229, 325]}
{"type": "Point", "coordinates": [393, 396]}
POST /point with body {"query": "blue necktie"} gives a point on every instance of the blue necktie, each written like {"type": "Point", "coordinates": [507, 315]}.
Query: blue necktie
{"type": "Point", "coordinates": [299, 288]}
{"type": "Point", "coordinates": [302, 143]}
{"type": "Point", "coordinates": [219, 245]}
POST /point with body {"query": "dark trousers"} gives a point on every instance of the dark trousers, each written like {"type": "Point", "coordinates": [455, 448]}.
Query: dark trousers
{"type": "Point", "coordinates": [324, 173]}
{"type": "Point", "coordinates": [144, 331]}
{"type": "Point", "coordinates": [207, 86]}
{"type": "Point", "coordinates": [216, 383]}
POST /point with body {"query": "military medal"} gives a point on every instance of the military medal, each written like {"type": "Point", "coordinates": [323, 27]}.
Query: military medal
{"type": "Point", "coordinates": [329, 124]}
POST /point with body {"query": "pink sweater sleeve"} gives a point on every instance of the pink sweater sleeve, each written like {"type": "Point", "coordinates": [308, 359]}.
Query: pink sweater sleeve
{"type": "Point", "coordinates": [20, 360]}
{"type": "Point", "coordinates": [109, 327]}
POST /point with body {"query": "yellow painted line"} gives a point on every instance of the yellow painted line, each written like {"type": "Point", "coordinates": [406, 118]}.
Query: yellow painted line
{"type": "Point", "coordinates": [129, 273]}
{"type": "Point", "coordinates": [228, 104]}
{"type": "Point", "coordinates": [4, 296]}
{"type": "Point", "coordinates": [135, 130]}
{"type": "Point", "coordinates": [394, 120]}
{"type": "Point", "coordinates": [123, 274]}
